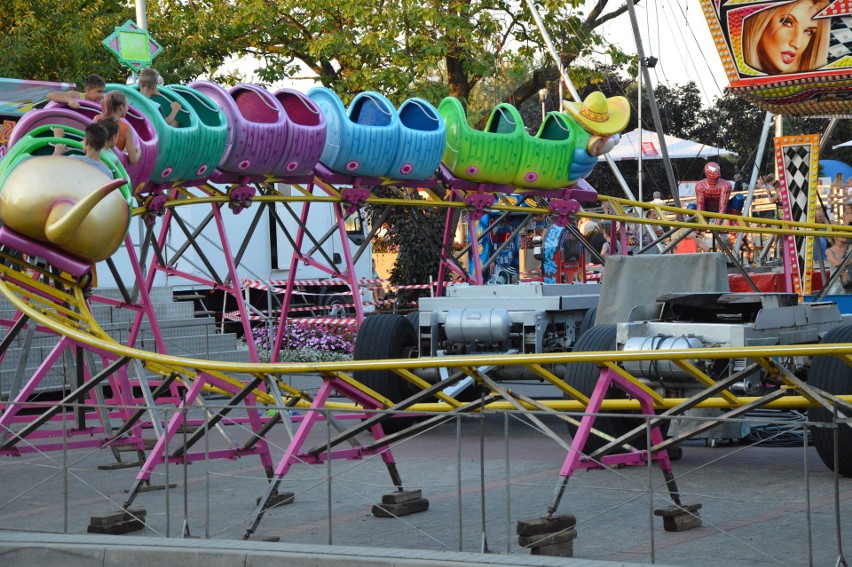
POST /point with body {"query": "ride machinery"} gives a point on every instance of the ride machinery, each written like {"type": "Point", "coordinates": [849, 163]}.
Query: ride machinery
{"type": "Point", "coordinates": [65, 220]}
{"type": "Point", "coordinates": [65, 226]}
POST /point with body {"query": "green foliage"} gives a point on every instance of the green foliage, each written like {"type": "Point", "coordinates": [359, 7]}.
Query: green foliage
{"type": "Point", "coordinates": [198, 36]}
{"type": "Point", "coordinates": [401, 49]}
{"type": "Point", "coordinates": [59, 41]}
{"type": "Point", "coordinates": [415, 233]}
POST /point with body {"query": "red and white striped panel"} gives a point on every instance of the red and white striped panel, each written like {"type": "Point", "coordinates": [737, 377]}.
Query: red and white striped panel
{"type": "Point", "coordinates": [235, 316]}
{"type": "Point", "coordinates": [415, 286]}
{"type": "Point", "coordinates": [342, 321]}
{"type": "Point", "coordinates": [279, 285]}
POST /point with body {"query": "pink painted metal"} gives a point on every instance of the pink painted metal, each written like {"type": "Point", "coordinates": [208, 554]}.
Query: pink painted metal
{"type": "Point", "coordinates": [576, 459]}
{"type": "Point", "coordinates": [74, 266]}
{"type": "Point", "coordinates": [299, 258]}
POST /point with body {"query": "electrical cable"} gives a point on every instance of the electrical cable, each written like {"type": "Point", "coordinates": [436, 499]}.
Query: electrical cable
{"type": "Point", "coordinates": [776, 428]}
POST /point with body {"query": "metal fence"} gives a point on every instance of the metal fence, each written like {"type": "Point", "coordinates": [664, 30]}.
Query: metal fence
{"type": "Point", "coordinates": [770, 502]}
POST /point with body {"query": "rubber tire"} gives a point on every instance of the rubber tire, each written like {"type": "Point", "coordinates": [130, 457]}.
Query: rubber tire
{"type": "Point", "coordinates": [414, 319]}
{"type": "Point", "coordinates": [828, 373]}
{"type": "Point", "coordinates": [584, 377]}
{"type": "Point", "coordinates": [340, 306]}
{"type": "Point", "coordinates": [588, 321]}
{"type": "Point", "coordinates": [381, 337]}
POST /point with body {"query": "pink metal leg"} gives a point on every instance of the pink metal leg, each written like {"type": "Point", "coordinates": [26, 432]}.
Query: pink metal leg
{"type": "Point", "coordinates": [15, 405]}
{"type": "Point", "coordinates": [574, 459]}
{"type": "Point", "coordinates": [350, 275]}
{"type": "Point", "coordinates": [234, 279]}
{"type": "Point", "coordinates": [291, 277]}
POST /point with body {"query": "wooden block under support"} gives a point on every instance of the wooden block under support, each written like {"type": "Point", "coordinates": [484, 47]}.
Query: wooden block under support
{"type": "Point", "coordinates": [123, 522]}
{"type": "Point", "coordinates": [553, 536]}
{"type": "Point", "coordinates": [400, 503]}
{"type": "Point", "coordinates": [401, 496]}
{"type": "Point", "coordinates": [555, 550]}
{"type": "Point", "coordinates": [680, 518]}
{"type": "Point", "coordinates": [120, 465]}
{"type": "Point", "coordinates": [147, 444]}
{"type": "Point", "coordinates": [545, 525]}
{"type": "Point", "coordinates": [154, 487]}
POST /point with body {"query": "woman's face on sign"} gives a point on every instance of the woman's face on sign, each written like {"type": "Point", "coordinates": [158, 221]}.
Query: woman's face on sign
{"type": "Point", "coordinates": [787, 35]}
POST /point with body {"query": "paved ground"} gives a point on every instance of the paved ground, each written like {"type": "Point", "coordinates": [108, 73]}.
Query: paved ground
{"type": "Point", "coordinates": [480, 478]}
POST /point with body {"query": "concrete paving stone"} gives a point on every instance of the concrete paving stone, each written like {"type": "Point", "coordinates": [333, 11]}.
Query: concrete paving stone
{"type": "Point", "coordinates": [121, 556]}
{"type": "Point", "coordinates": [754, 505]}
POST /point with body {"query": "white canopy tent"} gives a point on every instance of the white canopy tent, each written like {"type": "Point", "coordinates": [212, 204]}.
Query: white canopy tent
{"type": "Point", "coordinates": [630, 148]}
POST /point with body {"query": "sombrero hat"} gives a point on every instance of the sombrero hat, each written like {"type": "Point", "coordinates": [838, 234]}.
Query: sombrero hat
{"type": "Point", "coordinates": [600, 115]}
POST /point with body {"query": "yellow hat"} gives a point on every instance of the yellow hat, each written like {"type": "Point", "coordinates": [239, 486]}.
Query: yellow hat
{"type": "Point", "coordinates": [600, 115]}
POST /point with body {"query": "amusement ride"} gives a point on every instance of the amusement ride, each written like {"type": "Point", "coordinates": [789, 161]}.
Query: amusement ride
{"type": "Point", "coordinates": [66, 227]}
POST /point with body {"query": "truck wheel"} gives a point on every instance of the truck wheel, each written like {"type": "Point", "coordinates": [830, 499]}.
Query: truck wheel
{"type": "Point", "coordinates": [584, 377]}
{"type": "Point", "coordinates": [336, 305]}
{"type": "Point", "coordinates": [381, 337]}
{"type": "Point", "coordinates": [588, 321]}
{"type": "Point", "coordinates": [414, 319]}
{"type": "Point", "coordinates": [830, 374]}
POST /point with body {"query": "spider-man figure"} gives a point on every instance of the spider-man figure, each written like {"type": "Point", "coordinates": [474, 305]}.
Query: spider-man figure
{"type": "Point", "coordinates": [712, 193]}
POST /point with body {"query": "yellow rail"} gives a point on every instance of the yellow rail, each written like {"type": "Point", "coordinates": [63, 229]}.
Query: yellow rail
{"type": "Point", "coordinates": [703, 221]}
{"type": "Point", "coordinates": [67, 313]}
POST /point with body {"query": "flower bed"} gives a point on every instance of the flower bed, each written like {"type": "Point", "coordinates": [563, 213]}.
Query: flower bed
{"type": "Point", "coordinates": [309, 342]}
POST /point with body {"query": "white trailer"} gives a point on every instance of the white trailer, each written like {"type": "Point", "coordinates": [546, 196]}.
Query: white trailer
{"type": "Point", "coordinates": [200, 246]}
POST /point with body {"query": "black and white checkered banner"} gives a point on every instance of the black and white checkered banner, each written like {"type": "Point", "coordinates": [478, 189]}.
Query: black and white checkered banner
{"type": "Point", "coordinates": [797, 159]}
{"type": "Point", "coordinates": [840, 42]}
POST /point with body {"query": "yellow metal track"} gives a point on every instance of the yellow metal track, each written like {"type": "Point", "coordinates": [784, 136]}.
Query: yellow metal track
{"type": "Point", "coordinates": [622, 211]}
{"type": "Point", "coordinates": [61, 306]}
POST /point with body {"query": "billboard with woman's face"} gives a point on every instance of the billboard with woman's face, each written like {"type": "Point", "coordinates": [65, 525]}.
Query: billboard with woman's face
{"type": "Point", "coordinates": [787, 56]}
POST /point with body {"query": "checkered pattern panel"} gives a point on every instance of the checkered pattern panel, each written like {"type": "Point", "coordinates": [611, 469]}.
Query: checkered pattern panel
{"type": "Point", "coordinates": [797, 161]}
{"type": "Point", "coordinates": [840, 41]}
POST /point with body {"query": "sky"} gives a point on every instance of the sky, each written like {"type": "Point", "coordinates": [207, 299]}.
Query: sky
{"type": "Point", "coordinates": [676, 33]}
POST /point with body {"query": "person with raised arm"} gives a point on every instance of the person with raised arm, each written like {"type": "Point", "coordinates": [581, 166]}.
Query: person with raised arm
{"type": "Point", "coordinates": [93, 90]}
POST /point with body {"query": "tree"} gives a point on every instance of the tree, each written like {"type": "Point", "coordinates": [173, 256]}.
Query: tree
{"type": "Point", "coordinates": [401, 49]}
{"type": "Point", "coordinates": [59, 41]}
{"type": "Point", "coordinates": [416, 234]}
{"type": "Point", "coordinates": [427, 49]}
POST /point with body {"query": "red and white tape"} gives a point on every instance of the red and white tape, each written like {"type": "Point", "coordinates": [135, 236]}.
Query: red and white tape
{"type": "Point", "coordinates": [279, 286]}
